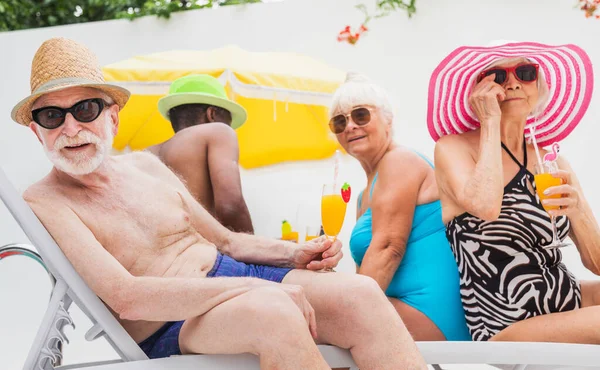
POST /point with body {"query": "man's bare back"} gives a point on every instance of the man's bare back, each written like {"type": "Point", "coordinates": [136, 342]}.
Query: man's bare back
{"type": "Point", "coordinates": [193, 167]}
{"type": "Point", "coordinates": [149, 238]}
{"type": "Point", "coordinates": [205, 156]}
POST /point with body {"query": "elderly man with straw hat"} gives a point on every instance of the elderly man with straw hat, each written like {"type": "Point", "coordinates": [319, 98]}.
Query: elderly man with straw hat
{"type": "Point", "coordinates": [204, 150]}
{"type": "Point", "coordinates": [177, 280]}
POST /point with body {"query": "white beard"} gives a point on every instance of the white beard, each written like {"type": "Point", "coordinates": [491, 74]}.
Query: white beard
{"type": "Point", "coordinates": [81, 163]}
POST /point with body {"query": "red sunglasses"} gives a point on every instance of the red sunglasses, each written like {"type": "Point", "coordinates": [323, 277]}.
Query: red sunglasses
{"type": "Point", "coordinates": [523, 73]}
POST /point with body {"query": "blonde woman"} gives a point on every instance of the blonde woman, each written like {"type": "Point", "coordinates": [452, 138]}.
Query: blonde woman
{"type": "Point", "coordinates": [399, 236]}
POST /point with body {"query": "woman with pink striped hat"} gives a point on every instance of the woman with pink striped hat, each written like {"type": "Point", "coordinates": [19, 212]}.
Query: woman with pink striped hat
{"type": "Point", "coordinates": [484, 104]}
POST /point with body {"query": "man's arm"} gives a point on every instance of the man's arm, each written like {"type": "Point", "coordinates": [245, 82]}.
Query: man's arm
{"type": "Point", "coordinates": [223, 155]}
{"type": "Point", "coordinates": [131, 297]}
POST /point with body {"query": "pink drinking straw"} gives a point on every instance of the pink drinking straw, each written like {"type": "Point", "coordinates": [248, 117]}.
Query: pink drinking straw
{"type": "Point", "coordinates": [535, 146]}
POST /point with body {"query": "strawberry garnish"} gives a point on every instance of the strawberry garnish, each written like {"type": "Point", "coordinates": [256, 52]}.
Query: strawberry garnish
{"type": "Point", "coordinates": [346, 191]}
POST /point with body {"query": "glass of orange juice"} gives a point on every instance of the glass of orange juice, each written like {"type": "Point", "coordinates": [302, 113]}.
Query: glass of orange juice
{"type": "Point", "coordinates": [544, 179]}
{"type": "Point", "coordinates": [333, 211]}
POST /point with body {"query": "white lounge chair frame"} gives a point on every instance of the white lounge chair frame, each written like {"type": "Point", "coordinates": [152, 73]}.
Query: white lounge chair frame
{"type": "Point", "coordinates": [70, 288]}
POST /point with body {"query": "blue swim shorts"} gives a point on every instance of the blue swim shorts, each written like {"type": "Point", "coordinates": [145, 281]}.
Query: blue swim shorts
{"type": "Point", "coordinates": [165, 341]}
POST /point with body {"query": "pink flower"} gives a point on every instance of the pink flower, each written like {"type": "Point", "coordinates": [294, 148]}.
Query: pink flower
{"type": "Point", "coordinates": [590, 7]}
{"type": "Point", "coordinates": [347, 35]}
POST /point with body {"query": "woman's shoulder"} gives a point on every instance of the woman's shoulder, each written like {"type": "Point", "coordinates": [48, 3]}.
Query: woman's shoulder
{"type": "Point", "coordinates": [451, 148]}
{"type": "Point", "coordinates": [470, 139]}
{"type": "Point", "coordinates": [403, 162]}
{"type": "Point", "coordinates": [400, 155]}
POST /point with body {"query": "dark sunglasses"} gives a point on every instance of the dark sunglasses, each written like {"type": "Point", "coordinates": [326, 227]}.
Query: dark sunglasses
{"type": "Point", "coordinates": [523, 73]}
{"type": "Point", "coordinates": [83, 111]}
{"type": "Point", "coordinates": [360, 116]}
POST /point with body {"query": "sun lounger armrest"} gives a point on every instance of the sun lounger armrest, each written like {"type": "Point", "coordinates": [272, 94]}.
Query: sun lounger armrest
{"type": "Point", "coordinates": [62, 270]}
{"type": "Point", "coordinates": [94, 333]}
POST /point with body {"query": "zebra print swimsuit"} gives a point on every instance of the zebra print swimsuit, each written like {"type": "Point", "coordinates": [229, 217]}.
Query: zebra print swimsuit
{"type": "Point", "coordinates": [505, 273]}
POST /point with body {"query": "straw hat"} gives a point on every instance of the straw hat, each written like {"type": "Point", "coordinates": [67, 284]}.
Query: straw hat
{"type": "Point", "coordinates": [567, 70]}
{"type": "Point", "coordinates": [201, 89]}
{"type": "Point", "coordinates": [59, 64]}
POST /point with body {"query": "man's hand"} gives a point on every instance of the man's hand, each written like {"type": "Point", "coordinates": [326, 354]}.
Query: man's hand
{"type": "Point", "coordinates": [317, 254]}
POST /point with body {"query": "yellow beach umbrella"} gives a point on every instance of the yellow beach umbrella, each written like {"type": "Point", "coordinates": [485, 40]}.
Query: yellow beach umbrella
{"type": "Point", "coordinates": [286, 96]}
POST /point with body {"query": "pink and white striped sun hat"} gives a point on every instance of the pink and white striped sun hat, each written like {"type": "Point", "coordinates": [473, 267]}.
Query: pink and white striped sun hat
{"type": "Point", "coordinates": [567, 70]}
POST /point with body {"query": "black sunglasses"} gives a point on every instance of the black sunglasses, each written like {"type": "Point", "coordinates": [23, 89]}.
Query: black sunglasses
{"type": "Point", "coordinates": [360, 116]}
{"type": "Point", "coordinates": [523, 73]}
{"type": "Point", "coordinates": [83, 111]}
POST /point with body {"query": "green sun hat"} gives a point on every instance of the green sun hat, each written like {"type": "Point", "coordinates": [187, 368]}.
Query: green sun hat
{"type": "Point", "coordinates": [201, 89]}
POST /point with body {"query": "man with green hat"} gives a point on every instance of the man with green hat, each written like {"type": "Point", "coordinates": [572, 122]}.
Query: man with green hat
{"type": "Point", "coordinates": [204, 150]}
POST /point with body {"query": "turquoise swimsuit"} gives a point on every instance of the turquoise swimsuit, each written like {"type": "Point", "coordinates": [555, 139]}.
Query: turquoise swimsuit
{"type": "Point", "coordinates": [427, 278]}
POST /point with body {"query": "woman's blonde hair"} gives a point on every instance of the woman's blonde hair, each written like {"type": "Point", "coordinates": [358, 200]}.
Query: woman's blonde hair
{"type": "Point", "coordinates": [360, 90]}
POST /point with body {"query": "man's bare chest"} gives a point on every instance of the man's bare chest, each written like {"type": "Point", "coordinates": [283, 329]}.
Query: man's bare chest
{"type": "Point", "coordinates": [136, 219]}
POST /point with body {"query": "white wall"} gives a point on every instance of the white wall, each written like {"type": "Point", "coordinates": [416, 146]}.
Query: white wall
{"type": "Point", "coordinates": [398, 53]}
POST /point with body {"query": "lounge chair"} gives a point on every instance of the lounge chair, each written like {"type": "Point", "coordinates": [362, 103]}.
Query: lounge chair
{"type": "Point", "coordinates": [70, 288]}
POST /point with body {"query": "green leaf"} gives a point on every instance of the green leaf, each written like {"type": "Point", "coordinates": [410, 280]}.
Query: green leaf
{"type": "Point", "coordinates": [361, 7]}
{"type": "Point", "coordinates": [23, 14]}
